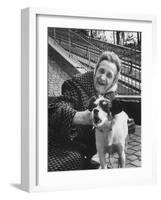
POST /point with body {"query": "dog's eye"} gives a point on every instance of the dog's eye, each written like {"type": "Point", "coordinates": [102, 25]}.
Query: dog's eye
{"type": "Point", "coordinates": [94, 105]}
{"type": "Point", "coordinates": [103, 103]}
{"type": "Point", "coordinates": [105, 108]}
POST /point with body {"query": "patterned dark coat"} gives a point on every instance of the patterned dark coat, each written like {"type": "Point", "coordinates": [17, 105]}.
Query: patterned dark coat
{"type": "Point", "coordinates": [76, 93]}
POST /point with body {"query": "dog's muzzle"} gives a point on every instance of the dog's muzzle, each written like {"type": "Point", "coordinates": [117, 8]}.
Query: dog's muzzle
{"type": "Point", "coordinates": [96, 118]}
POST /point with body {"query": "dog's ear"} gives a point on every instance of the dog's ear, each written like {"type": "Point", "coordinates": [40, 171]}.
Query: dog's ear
{"type": "Point", "coordinates": [116, 107]}
{"type": "Point", "coordinates": [91, 103]}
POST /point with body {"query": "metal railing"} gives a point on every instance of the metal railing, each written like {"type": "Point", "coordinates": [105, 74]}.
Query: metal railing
{"type": "Point", "coordinates": [87, 51]}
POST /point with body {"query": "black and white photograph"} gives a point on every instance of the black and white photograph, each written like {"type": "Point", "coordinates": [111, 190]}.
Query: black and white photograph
{"type": "Point", "coordinates": [94, 99]}
{"type": "Point", "coordinates": [88, 91]}
{"type": "Point", "coordinates": [80, 100]}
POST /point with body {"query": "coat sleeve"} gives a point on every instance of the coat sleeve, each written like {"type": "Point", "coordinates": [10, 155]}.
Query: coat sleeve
{"type": "Point", "coordinates": [63, 109]}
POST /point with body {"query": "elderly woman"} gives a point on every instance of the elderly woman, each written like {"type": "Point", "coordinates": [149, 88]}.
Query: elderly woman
{"type": "Point", "coordinates": [69, 115]}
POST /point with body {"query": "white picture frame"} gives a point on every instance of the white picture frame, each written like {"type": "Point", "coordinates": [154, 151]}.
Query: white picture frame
{"type": "Point", "coordinates": [33, 90]}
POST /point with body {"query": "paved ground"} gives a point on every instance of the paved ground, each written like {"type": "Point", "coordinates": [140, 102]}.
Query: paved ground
{"type": "Point", "coordinates": [133, 157]}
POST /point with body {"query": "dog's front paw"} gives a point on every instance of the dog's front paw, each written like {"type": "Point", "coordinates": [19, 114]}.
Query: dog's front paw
{"type": "Point", "coordinates": [103, 167]}
{"type": "Point", "coordinates": [100, 167]}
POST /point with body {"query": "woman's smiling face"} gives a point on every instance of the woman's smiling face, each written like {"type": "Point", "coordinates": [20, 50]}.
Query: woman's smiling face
{"type": "Point", "coordinates": [104, 76]}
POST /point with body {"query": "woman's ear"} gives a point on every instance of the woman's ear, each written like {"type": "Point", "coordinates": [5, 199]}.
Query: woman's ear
{"type": "Point", "coordinates": [116, 107]}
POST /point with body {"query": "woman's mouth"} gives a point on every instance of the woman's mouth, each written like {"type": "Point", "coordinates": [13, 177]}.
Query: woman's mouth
{"type": "Point", "coordinates": [101, 83]}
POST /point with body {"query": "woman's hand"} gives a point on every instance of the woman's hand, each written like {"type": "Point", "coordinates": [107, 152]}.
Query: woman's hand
{"type": "Point", "coordinates": [83, 118]}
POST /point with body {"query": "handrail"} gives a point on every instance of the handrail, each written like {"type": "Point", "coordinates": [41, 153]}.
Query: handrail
{"type": "Point", "coordinates": [130, 79]}
{"type": "Point", "coordinates": [87, 41]}
{"type": "Point", "coordinates": [94, 51]}
{"type": "Point", "coordinates": [117, 45]}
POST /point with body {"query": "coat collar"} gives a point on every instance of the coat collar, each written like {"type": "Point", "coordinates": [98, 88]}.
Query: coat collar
{"type": "Point", "coordinates": [86, 80]}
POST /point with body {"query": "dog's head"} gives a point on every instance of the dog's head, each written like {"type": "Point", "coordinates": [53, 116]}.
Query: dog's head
{"type": "Point", "coordinates": [101, 111]}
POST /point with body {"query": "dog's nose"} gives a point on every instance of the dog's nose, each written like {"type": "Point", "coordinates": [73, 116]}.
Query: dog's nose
{"type": "Point", "coordinates": [95, 111]}
{"type": "Point", "coordinates": [96, 117]}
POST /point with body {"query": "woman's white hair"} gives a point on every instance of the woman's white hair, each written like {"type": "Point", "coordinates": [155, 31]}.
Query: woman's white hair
{"type": "Point", "coordinates": [113, 58]}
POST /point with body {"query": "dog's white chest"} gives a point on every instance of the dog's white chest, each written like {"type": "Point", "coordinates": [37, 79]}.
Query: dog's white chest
{"type": "Point", "coordinates": [104, 139]}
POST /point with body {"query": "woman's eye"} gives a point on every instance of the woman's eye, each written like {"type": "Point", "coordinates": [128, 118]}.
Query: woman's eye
{"type": "Point", "coordinates": [101, 70]}
{"type": "Point", "coordinates": [109, 75]}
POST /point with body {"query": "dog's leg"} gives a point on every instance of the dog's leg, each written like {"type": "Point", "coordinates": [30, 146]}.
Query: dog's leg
{"type": "Point", "coordinates": [122, 156]}
{"type": "Point", "coordinates": [102, 159]}
{"type": "Point", "coordinates": [122, 159]}
{"type": "Point", "coordinates": [100, 148]}
{"type": "Point", "coordinates": [126, 143]}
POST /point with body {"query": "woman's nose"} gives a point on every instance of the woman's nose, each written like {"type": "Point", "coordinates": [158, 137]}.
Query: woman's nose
{"type": "Point", "coordinates": [103, 77]}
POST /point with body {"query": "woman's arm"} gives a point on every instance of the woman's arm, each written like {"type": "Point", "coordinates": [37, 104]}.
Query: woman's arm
{"type": "Point", "coordinates": [65, 111]}
{"type": "Point", "coordinates": [83, 118]}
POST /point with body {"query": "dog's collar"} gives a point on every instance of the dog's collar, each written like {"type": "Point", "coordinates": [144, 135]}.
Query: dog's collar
{"type": "Point", "coordinates": [109, 95]}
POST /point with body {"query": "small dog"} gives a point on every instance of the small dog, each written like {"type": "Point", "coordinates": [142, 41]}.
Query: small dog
{"type": "Point", "coordinates": [111, 130]}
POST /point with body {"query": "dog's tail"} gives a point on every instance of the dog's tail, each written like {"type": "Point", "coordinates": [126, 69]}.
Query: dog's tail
{"type": "Point", "coordinates": [131, 125]}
